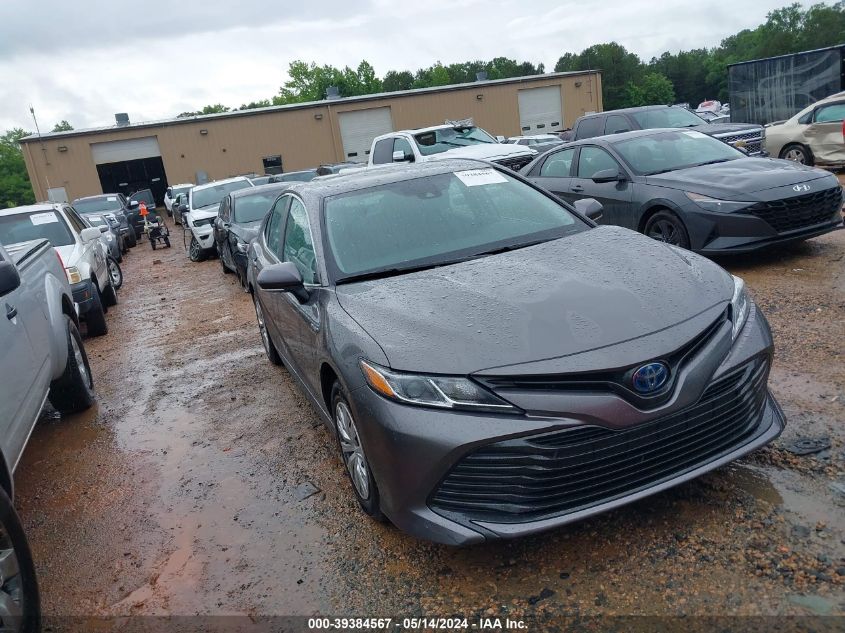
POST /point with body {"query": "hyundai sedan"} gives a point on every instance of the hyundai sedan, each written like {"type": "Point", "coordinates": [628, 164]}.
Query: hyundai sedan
{"type": "Point", "coordinates": [693, 191]}
{"type": "Point", "coordinates": [491, 362]}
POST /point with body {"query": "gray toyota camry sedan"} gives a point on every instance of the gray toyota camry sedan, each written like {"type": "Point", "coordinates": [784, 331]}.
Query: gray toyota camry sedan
{"type": "Point", "coordinates": [494, 364]}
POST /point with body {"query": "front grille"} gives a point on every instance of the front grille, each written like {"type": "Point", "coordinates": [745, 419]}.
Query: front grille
{"type": "Point", "coordinates": [514, 164]}
{"type": "Point", "coordinates": [752, 141]}
{"type": "Point", "coordinates": [798, 212]}
{"type": "Point", "coordinates": [552, 474]}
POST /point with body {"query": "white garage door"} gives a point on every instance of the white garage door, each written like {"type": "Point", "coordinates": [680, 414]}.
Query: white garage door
{"type": "Point", "coordinates": [118, 151]}
{"type": "Point", "coordinates": [539, 110]}
{"type": "Point", "coordinates": [359, 128]}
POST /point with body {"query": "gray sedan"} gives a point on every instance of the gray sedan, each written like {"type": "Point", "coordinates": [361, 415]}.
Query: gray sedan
{"type": "Point", "coordinates": [492, 363]}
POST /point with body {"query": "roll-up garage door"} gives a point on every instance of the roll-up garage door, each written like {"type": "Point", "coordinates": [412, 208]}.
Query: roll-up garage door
{"type": "Point", "coordinates": [358, 129]}
{"type": "Point", "coordinates": [130, 149]}
{"type": "Point", "coordinates": [540, 110]}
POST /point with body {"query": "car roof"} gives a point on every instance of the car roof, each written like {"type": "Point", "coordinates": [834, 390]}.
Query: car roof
{"type": "Point", "coordinates": [635, 109]}
{"type": "Point", "coordinates": [222, 181]}
{"type": "Point", "coordinates": [259, 189]}
{"type": "Point", "coordinates": [611, 139]}
{"type": "Point", "coordinates": [366, 177]}
{"type": "Point", "coordinates": [182, 184]}
{"type": "Point", "coordinates": [99, 195]}
{"type": "Point", "coordinates": [30, 208]}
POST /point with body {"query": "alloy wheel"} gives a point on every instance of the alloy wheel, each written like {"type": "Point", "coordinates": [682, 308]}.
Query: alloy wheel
{"type": "Point", "coordinates": [795, 154]}
{"type": "Point", "coordinates": [353, 452]}
{"type": "Point", "coordinates": [81, 363]}
{"type": "Point", "coordinates": [11, 589]}
{"type": "Point", "coordinates": [665, 231]}
{"type": "Point", "coordinates": [115, 274]}
{"type": "Point", "coordinates": [262, 328]}
{"type": "Point", "coordinates": [195, 249]}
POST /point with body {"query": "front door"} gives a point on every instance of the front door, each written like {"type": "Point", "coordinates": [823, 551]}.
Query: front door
{"type": "Point", "coordinates": [615, 197]}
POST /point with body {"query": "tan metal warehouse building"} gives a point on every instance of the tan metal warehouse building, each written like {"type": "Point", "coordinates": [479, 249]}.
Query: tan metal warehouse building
{"type": "Point", "coordinates": [126, 157]}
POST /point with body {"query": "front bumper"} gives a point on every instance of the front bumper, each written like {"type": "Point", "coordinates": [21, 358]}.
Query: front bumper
{"type": "Point", "coordinates": [414, 451]}
{"type": "Point", "coordinates": [83, 296]}
{"type": "Point", "coordinates": [204, 235]}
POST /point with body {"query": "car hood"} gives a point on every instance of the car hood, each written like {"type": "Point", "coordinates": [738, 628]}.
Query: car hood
{"type": "Point", "coordinates": [485, 151]}
{"type": "Point", "coordinates": [714, 129]}
{"type": "Point", "coordinates": [590, 290]}
{"type": "Point", "coordinates": [206, 212]}
{"type": "Point", "coordinates": [737, 178]}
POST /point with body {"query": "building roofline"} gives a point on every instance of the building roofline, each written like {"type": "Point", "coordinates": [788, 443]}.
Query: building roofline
{"type": "Point", "coordinates": [765, 59]}
{"type": "Point", "coordinates": [304, 106]}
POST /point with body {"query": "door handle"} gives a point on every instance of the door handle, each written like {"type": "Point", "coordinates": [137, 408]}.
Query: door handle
{"type": "Point", "coordinates": [576, 188]}
{"type": "Point", "coordinates": [11, 312]}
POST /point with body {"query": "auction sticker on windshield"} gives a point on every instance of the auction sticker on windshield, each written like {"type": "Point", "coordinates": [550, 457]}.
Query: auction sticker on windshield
{"type": "Point", "coordinates": [43, 218]}
{"type": "Point", "coordinates": [475, 177]}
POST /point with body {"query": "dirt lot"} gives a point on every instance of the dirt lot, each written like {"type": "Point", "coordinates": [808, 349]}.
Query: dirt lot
{"type": "Point", "coordinates": [181, 492]}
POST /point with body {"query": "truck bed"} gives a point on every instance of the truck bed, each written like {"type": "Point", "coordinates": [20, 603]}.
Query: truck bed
{"type": "Point", "coordinates": [22, 251]}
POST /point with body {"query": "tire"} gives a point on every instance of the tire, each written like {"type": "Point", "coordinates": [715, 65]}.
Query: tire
{"type": "Point", "coordinates": [353, 456]}
{"type": "Point", "coordinates": [73, 391]}
{"type": "Point", "coordinates": [95, 318]}
{"type": "Point", "coordinates": [21, 588]}
{"type": "Point", "coordinates": [798, 153]}
{"type": "Point", "coordinates": [153, 244]}
{"type": "Point", "coordinates": [269, 347]}
{"type": "Point", "coordinates": [195, 250]}
{"type": "Point", "coordinates": [667, 227]}
{"type": "Point", "coordinates": [115, 276]}
{"type": "Point", "coordinates": [167, 241]}
{"type": "Point", "coordinates": [130, 238]}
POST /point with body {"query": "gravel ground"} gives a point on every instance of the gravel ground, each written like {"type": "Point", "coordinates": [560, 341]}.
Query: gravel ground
{"type": "Point", "coordinates": [182, 491]}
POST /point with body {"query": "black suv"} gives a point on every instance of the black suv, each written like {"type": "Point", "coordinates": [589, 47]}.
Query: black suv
{"type": "Point", "coordinates": [744, 136]}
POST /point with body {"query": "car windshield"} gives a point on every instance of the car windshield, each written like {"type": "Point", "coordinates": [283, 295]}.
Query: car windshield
{"type": "Point", "coordinates": [178, 190]}
{"type": "Point", "coordinates": [444, 139]}
{"type": "Point", "coordinates": [253, 207]}
{"type": "Point", "coordinates": [145, 196]}
{"type": "Point", "coordinates": [214, 194]}
{"type": "Point", "coordinates": [38, 225]}
{"type": "Point", "coordinates": [296, 176]}
{"type": "Point", "coordinates": [97, 205]}
{"type": "Point", "coordinates": [667, 117]}
{"type": "Point", "coordinates": [97, 220]}
{"type": "Point", "coordinates": [669, 151]}
{"type": "Point", "coordinates": [437, 220]}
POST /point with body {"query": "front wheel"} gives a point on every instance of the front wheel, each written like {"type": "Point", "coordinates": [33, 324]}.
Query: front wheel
{"type": "Point", "coordinates": [73, 391]}
{"type": "Point", "coordinates": [195, 251]}
{"type": "Point", "coordinates": [665, 226]}
{"type": "Point", "coordinates": [20, 604]}
{"type": "Point", "coordinates": [130, 238]}
{"type": "Point", "coordinates": [115, 275]}
{"type": "Point", "coordinates": [797, 153]}
{"type": "Point", "coordinates": [353, 456]}
{"type": "Point", "coordinates": [95, 318]}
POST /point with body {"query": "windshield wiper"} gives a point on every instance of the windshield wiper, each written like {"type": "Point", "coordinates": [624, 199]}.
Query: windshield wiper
{"type": "Point", "coordinates": [506, 248]}
{"type": "Point", "coordinates": [390, 272]}
{"type": "Point", "coordinates": [718, 160]}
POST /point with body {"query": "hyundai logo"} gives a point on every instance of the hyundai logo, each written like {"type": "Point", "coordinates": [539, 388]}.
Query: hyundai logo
{"type": "Point", "coordinates": [650, 377]}
{"type": "Point", "coordinates": [801, 188]}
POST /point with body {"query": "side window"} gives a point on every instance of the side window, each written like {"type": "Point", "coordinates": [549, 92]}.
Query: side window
{"type": "Point", "coordinates": [558, 165]}
{"type": "Point", "coordinates": [383, 152]}
{"type": "Point", "coordinates": [594, 159]}
{"type": "Point", "coordinates": [588, 128]}
{"type": "Point", "coordinates": [273, 231]}
{"type": "Point", "coordinates": [402, 145]}
{"type": "Point", "coordinates": [221, 211]}
{"type": "Point", "coordinates": [75, 221]}
{"type": "Point", "coordinates": [615, 124]}
{"type": "Point", "coordinates": [298, 246]}
{"type": "Point", "coordinates": [832, 113]}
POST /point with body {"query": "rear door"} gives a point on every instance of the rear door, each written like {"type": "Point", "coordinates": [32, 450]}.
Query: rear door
{"type": "Point", "coordinates": [614, 196]}
{"type": "Point", "coordinates": [555, 173]}
{"type": "Point", "coordinates": [824, 134]}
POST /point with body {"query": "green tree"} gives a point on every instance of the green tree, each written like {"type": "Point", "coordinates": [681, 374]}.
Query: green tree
{"type": "Point", "coordinates": [15, 188]}
{"type": "Point", "coordinates": [262, 103]}
{"type": "Point", "coordinates": [209, 109]}
{"type": "Point", "coordinates": [62, 126]}
{"type": "Point", "coordinates": [397, 80]}
{"type": "Point", "coordinates": [652, 89]}
{"type": "Point", "coordinates": [618, 69]}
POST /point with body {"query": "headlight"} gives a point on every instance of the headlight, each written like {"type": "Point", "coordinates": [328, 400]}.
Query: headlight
{"type": "Point", "coordinates": [204, 221]}
{"type": "Point", "coordinates": [73, 275]}
{"type": "Point", "coordinates": [443, 392]}
{"type": "Point", "coordinates": [714, 204]}
{"type": "Point", "coordinates": [739, 306]}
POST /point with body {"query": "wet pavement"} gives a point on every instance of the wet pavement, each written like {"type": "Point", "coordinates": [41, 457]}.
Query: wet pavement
{"type": "Point", "coordinates": [204, 483]}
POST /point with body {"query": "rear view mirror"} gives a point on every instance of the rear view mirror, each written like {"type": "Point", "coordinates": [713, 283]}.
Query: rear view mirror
{"type": "Point", "coordinates": [89, 234]}
{"type": "Point", "coordinates": [284, 277]}
{"type": "Point", "coordinates": [607, 175]}
{"type": "Point", "coordinates": [9, 278]}
{"type": "Point", "coordinates": [589, 207]}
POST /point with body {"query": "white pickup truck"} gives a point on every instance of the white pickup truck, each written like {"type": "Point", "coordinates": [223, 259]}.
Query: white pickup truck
{"type": "Point", "coordinates": [452, 140]}
{"type": "Point", "coordinates": [43, 357]}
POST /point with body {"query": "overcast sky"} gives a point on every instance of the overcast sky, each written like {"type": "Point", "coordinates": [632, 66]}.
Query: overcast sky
{"type": "Point", "coordinates": [85, 60]}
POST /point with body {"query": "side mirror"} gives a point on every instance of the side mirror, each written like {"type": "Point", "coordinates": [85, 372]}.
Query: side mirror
{"type": "Point", "coordinates": [500, 138]}
{"type": "Point", "coordinates": [401, 157]}
{"type": "Point", "coordinates": [608, 175]}
{"type": "Point", "coordinates": [103, 229]}
{"type": "Point", "coordinates": [590, 207]}
{"type": "Point", "coordinates": [10, 279]}
{"type": "Point", "coordinates": [133, 204]}
{"type": "Point", "coordinates": [89, 234]}
{"type": "Point", "coordinates": [284, 277]}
